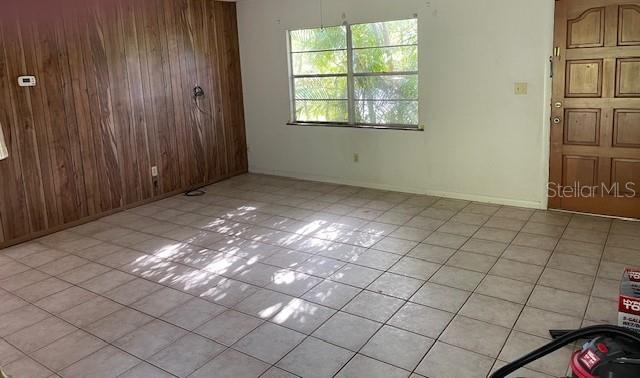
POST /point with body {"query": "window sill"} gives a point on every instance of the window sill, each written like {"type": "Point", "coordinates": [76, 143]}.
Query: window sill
{"type": "Point", "coordinates": [358, 126]}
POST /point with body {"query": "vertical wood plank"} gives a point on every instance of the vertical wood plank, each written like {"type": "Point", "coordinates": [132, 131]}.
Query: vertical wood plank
{"type": "Point", "coordinates": [13, 204]}
{"type": "Point", "coordinates": [114, 98]}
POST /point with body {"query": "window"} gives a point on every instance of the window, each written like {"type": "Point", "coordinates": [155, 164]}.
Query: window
{"type": "Point", "coordinates": [356, 75]}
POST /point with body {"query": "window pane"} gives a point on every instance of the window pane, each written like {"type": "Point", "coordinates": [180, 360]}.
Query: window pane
{"type": "Point", "coordinates": [403, 32]}
{"type": "Point", "coordinates": [331, 38]}
{"type": "Point", "coordinates": [386, 87]}
{"type": "Point", "coordinates": [322, 111]}
{"type": "Point", "coordinates": [386, 59]}
{"type": "Point", "coordinates": [387, 112]}
{"type": "Point", "coordinates": [326, 62]}
{"type": "Point", "coordinates": [319, 88]}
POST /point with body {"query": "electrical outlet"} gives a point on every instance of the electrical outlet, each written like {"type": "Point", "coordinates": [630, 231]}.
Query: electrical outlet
{"type": "Point", "coordinates": [520, 88]}
{"type": "Point", "coordinates": [356, 158]}
{"type": "Point", "coordinates": [154, 171]}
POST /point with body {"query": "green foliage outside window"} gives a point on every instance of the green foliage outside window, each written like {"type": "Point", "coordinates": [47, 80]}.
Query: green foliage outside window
{"type": "Point", "coordinates": [384, 73]}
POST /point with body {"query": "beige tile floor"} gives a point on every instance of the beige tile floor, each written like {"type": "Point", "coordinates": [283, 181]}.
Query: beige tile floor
{"type": "Point", "coordinates": [274, 277]}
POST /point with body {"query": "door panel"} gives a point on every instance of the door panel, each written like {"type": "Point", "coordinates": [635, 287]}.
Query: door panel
{"type": "Point", "coordinates": [629, 25]}
{"type": "Point", "coordinates": [584, 78]}
{"type": "Point", "coordinates": [628, 77]}
{"type": "Point", "coordinates": [595, 133]}
{"type": "Point", "coordinates": [582, 127]}
{"type": "Point", "coordinates": [625, 128]}
{"type": "Point", "coordinates": [587, 30]}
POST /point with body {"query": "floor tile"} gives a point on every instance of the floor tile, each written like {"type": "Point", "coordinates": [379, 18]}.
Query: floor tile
{"type": "Point", "coordinates": [26, 367]}
{"type": "Point", "coordinates": [107, 281]}
{"type": "Point", "coordinates": [559, 279]}
{"type": "Point", "coordinates": [347, 331]}
{"type": "Point", "coordinates": [475, 335]}
{"type": "Point", "coordinates": [505, 288]}
{"type": "Point", "coordinates": [415, 268]}
{"type": "Point", "coordinates": [420, 319]}
{"type": "Point", "coordinates": [186, 355]}
{"type": "Point", "coordinates": [64, 300]}
{"type": "Point", "coordinates": [40, 334]}
{"type": "Point", "coordinates": [485, 247]}
{"type": "Point", "coordinates": [90, 311]}
{"type": "Point", "coordinates": [132, 291]}
{"type": "Point", "coordinates": [362, 366]}
{"type": "Point", "coordinates": [149, 339]}
{"type": "Point", "coordinates": [264, 303]}
{"type": "Point", "coordinates": [602, 310]}
{"type": "Point", "coordinates": [560, 301]}
{"type": "Point", "coordinates": [443, 239]}
{"type": "Point", "coordinates": [572, 263]}
{"type": "Point", "coordinates": [491, 310]}
{"type": "Point", "coordinates": [535, 241]}
{"type": "Point", "coordinates": [472, 261]}
{"type": "Point", "coordinates": [231, 364]}
{"type": "Point", "coordinates": [68, 350]}
{"type": "Point", "coordinates": [62, 265]}
{"type": "Point", "coordinates": [432, 253]}
{"type": "Point", "coordinates": [228, 327]}
{"type": "Point", "coordinates": [395, 285]}
{"type": "Point", "coordinates": [331, 294]}
{"type": "Point", "coordinates": [441, 297]}
{"type": "Point", "coordinates": [447, 361]}
{"type": "Point", "coordinates": [410, 233]}
{"type": "Point", "coordinates": [495, 234]}
{"type": "Point", "coordinates": [42, 289]}
{"type": "Point", "coordinates": [355, 275]}
{"type": "Point", "coordinates": [373, 306]}
{"type": "Point", "coordinates": [302, 316]}
{"type": "Point", "coordinates": [193, 313]}
{"type": "Point", "coordinates": [538, 322]}
{"type": "Point", "coordinates": [20, 280]}
{"type": "Point", "coordinates": [83, 273]}
{"type": "Point", "coordinates": [527, 255]}
{"type": "Point", "coordinates": [118, 324]}
{"type": "Point", "coordinates": [161, 302]}
{"type": "Point", "coordinates": [105, 363]}
{"type": "Point", "coordinates": [20, 318]}
{"type": "Point", "coordinates": [315, 358]}
{"type": "Point", "coordinates": [520, 343]}
{"type": "Point", "coordinates": [458, 278]}
{"type": "Point", "coordinates": [269, 342]}
{"type": "Point", "coordinates": [516, 270]}
{"type": "Point", "coordinates": [397, 347]}
{"type": "Point", "coordinates": [376, 259]}
{"type": "Point", "coordinates": [8, 353]}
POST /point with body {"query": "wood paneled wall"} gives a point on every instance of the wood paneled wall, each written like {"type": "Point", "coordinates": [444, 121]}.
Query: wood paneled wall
{"type": "Point", "coordinates": [114, 98]}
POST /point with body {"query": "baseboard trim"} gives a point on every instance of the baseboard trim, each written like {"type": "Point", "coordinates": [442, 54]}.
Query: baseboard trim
{"type": "Point", "coordinates": [414, 190]}
{"type": "Point", "coordinates": [94, 217]}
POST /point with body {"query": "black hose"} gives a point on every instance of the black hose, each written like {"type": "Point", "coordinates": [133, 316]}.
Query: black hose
{"type": "Point", "coordinates": [608, 330]}
{"type": "Point", "coordinates": [195, 192]}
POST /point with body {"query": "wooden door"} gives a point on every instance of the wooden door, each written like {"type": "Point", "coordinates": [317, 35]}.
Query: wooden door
{"type": "Point", "coordinates": [595, 116]}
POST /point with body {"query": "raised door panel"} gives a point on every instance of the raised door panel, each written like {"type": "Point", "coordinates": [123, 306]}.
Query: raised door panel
{"type": "Point", "coordinates": [629, 25]}
{"type": "Point", "coordinates": [587, 30]}
{"type": "Point", "coordinates": [628, 77]}
{"type": "Point", "coordinates": [584, 78]}
{"type": "Point", "coordinates": [580, 171]}
{"type": "Point", "coordinates": [626, 128]}
{"type": "Point", "coordinates": [626, 174]}
{"type": "Point", "coordinates": [582, 127]}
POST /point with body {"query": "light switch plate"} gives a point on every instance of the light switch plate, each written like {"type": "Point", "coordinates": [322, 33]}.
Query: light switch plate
{"type": "Point", "coordinates": [520, 88]}
{"type": "Point", "coordinates": [27, 81]}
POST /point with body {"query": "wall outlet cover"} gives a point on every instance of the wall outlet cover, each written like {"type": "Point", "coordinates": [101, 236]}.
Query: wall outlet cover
{"type": "Point", "coordinates": [520, 88]}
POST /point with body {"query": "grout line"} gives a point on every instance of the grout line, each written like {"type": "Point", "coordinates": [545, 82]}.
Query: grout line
{"type": "Point", "coordinates": [316, 254]}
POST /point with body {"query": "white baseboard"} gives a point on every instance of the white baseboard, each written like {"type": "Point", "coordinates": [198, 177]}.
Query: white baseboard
{"type": "Point", "coordinates": [396, 188]}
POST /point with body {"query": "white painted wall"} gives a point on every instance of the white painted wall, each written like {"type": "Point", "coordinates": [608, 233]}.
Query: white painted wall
{"type": "Point", "coordinates": [481, 142]}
